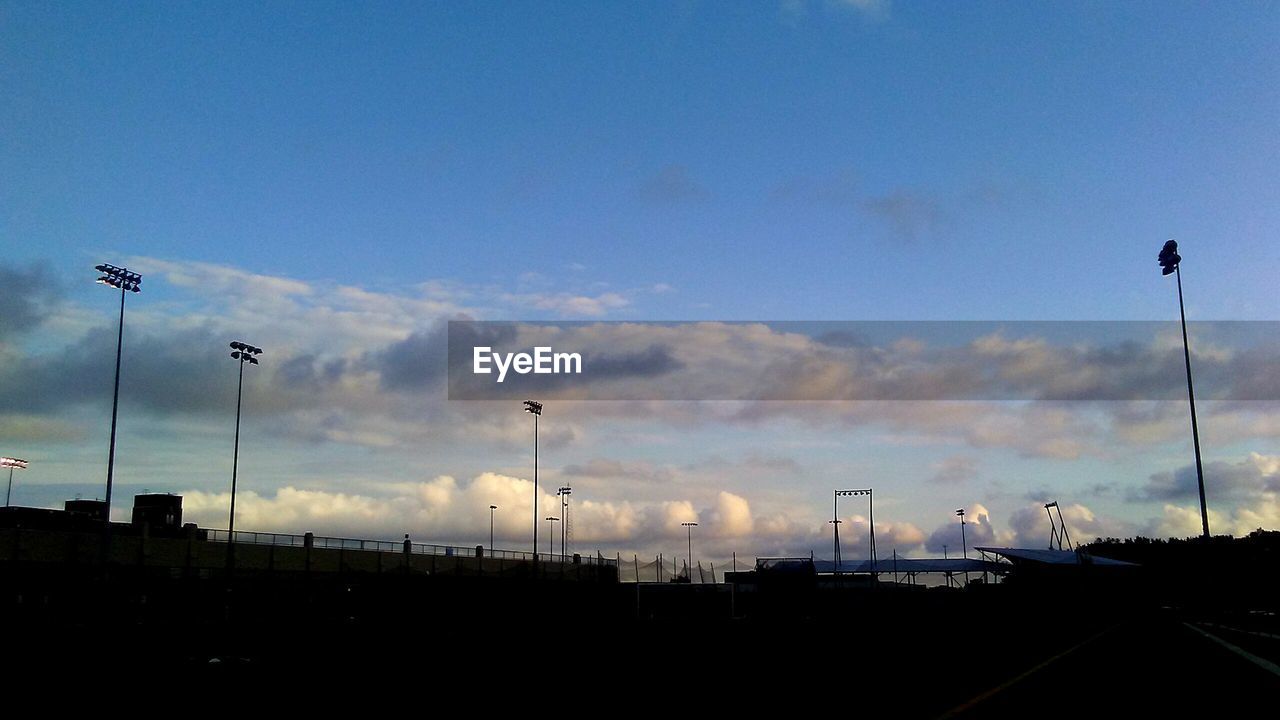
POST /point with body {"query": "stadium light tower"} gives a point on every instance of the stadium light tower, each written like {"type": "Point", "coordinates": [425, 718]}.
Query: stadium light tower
{"type": "Point", "coordinates": [871, 511]}
{"type": "Point", "coordinates": [243, 353]}
{"type": "Point", "coordinates": [689, 526]}
{"type": "Point", "coordinates": [551, 535]}
{"type": "Point", "coordinates": [491, 509]}
{"type": "Point", "coordinates": [534, 408]}
{"type": "Point", "coordinates": [1171, 262]}
{"type": "Point", "coordinates": [126, 282]}
{"type": "Point", "coordinates": [564, 494]}
{"type": "Point", "coordinates": [836, 524]}
{"type": "Point", "coordinates": [12, 464]}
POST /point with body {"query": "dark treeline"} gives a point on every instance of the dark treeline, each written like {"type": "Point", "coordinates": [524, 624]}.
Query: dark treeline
{"type": "Point", "coordinates": [1222, 573]}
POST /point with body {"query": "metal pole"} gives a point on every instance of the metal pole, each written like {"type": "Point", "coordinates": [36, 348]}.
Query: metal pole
{"type": "Point", "coordinates": [535, 488]}
{"type": "Point", "coordinates": [1191, 398]}
{"type": "Point", "coordinates": [115, 406]}
{"type": "Point", "coordinates": [9, 494]}
{"type": "Point", "coordinates": [964, 546]}
{"type": "Point", "coordinates": [690, 529]}
{"type": "Point", "coordinates": [872, 522]}
{"type": "Point", "coordinates": [491, 509]}
{"type": "Point", "coordinates": [835, 524]}
{"type": "Point", "coordinates": [235, 463]}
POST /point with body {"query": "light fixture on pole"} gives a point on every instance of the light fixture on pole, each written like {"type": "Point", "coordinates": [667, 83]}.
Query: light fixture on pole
{"type": "Point", "coordinates": [689, 526]}
{"type": "Point", "coordinates": [1171, 262]}
{"type": "Point", "coordinates": [242, 353]}
{"type": "Point", "coordinates": [551, 535]}
{"type": "Point", "coordinates": [836, 524]}
{"type": "Point", "coordinates": [871, 511]}
{"type": "Point", "coordinates": [1056, 536]}
{"type": "Point", "coordinates": [126, 282]}
{"type": "Point", "coordinates": [491, 509]}
{"type": "Point", "coordinates": [12, 464]}
{"type": "Point", "coordinates": [964, 546]}
{"type": "Point", "coordinates": [564, 493]}
{"type": "Point", "coordinates": [534, 408]}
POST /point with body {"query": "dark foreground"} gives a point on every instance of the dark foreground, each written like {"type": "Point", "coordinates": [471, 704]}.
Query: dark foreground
{"type": "Point", "coordinates": [988, 652]}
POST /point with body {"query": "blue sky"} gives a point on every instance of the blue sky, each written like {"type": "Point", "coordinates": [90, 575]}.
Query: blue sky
{"type": "Point", "coordinates": [816, 160]}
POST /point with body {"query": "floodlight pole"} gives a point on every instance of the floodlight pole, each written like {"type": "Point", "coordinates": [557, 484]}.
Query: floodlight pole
{"type": "Point", "coordinates": [235, 464]}
{"type": "Point", "coordinates": [491, 509]}
{"type": "Point", "coordinates": [689, 526]}
{"type": "Point", "coordinates": [243, 353]}
{"type": "Point", "coordinates": [12, 464]}
{"type": "Point", "coordinates": [1191, 398]}
{"type": "Point", "coordinates": [564, 493]}
{"type": "Point", "coordinates": [551, 536]}
{"type": "Point", "coordinates": [534, 408]}
{"type": "Point", "coordinates": [115, 406]}
{"type": "Point", "coordinates": [535, 487]}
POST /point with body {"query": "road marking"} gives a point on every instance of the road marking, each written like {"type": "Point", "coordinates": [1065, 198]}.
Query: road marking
{"type": "Point", "coordinates": [1259, 633]}
{"type": "Point", "coordinates": [1260, 662]}
{"type": "Point", "coordinates": [965, 706]}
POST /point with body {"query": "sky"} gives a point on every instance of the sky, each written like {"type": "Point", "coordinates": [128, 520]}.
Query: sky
{"type": "Point", "coordinates": [334, 182]}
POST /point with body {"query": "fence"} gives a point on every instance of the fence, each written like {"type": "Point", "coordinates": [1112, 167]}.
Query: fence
{"type": "Point", "coordinates": [249, 537]}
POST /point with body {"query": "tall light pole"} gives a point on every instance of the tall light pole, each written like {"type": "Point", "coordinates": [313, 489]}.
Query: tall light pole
{"type": "Point", "coordinates": [551, 535]}
{"type": "Point", "coordinates": [242, 353]}
{"type": "Point", "coordinates": [689, 526]}
{"type": "Point", "coordinates": [836, 524]}
{"type": "Point", "coordinates": [871, 511]}
{"type": "Point", "coordinates": [1171, 261]}
{"type": "Point", "coordinates": [125, 281]}
{"type": "Point", "coordinates": [534, 408]}
{"type": "Point", "coordinates": [12, 464]}
{"type": "Point", "coordinates": [564, 494]}
{"type": "Point", "coordinates": [491, 509]}
{"type": "Point", "coordinates": [964, 546]}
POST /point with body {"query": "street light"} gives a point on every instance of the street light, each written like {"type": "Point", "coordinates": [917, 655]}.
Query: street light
{"type": "Point", "coordinates": [243, 353]}
{"type": "Point", "coordinates": [12, 464]}
{"type": "Point", "coordinates": [564, 494]}
{"type": "Point", "coordinates": [534, 408]}
{"type": "Point", "coordinates": [689, 526]}
{"type": "Point", "coordinates": [125, 281]}
{"type": "Point", "coordinates": [1171, 262]}
{"type": "Point", "coordinates": [491, 509]}
{"type": "Point", "coordinates": [836, 524]}
{"type": "Point", "coordinates": [871, 505]}
{"type": "Point", "coordinates": [551, 534]}
{"type": "Point", "coordinates": [964, 546]}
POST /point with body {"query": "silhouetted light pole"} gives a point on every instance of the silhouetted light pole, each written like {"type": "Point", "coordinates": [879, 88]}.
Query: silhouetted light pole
{"type": "Point", "coordinates": [551, 535]}
{"type": "Point", "coordinates": [125, 281]}
{"type": "Point", "coordinates": [12, 464]}
{"type": "Point", "coordinates": [1171, 261]}
{"type": "Point", "coordinates": [491, 509]}
{"type": "Point", "coordinates": [964, 546]}
{"type": "Point", "coordinates": [1054, 534]}
{"type": "Point", "coordinates": [242, 353]}
{"type": "Point", "coordinates": [836, 524]}
{"type": "Point", "coordinates": [564, 494]}
{"type": "Point", "coordinates": [689, 526]}
{"type": "Point", "coordinates": [871, 505]}
{"type": "Point", "coordinates": [535, 409]}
